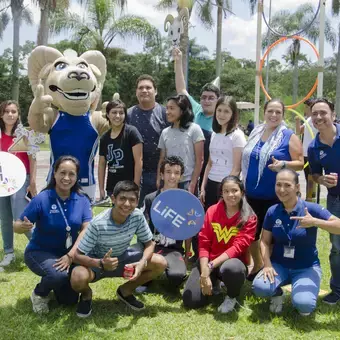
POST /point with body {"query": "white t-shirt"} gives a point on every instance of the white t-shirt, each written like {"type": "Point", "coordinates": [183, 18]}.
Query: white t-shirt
{"type": "Point", "coordinates": [307, 137]}
{"type": "Point", "coordinates": [221, 153]}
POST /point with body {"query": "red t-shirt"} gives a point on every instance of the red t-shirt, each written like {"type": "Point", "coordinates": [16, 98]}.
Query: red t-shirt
{"type": "Point", "coordinates": [219, 234]}
{"type": "Point", "coordinates": [5, 143]}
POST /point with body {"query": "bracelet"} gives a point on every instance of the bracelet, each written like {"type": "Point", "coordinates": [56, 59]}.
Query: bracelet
{"type": "Point", "coordinates": [70, 257]}
{"type": "Point", "coordinates": [101, 265]}
{"type": "Point", "coordinates": [284, 165]}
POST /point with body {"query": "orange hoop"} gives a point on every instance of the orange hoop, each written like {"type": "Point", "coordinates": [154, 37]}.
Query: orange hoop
{"type": "Point", "coordinates": [283, 39]}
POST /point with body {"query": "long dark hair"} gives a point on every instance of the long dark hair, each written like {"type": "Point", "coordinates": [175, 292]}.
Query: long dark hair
{"type": "Point", "coordinates": [52, 183]}
{"type": "Point", "coordinates": [232, 124]}
{"type": "Point", "coordinates": [187, 116]}
{"type": "Point", "coordinates": [3, 107]}
{"type": "Point", "coordinates": [245, 209]}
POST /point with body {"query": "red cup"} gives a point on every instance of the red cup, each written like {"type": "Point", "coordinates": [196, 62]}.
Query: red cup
{"type": "Point", "coordinates": [128, 272]}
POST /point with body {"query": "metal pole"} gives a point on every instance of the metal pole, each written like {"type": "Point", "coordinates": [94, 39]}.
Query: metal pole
{"type": "Point", "coordinates": [321, 48]}
{"type": "Point", "coordinates": [258, 60]}
{"type": "Point", "coordinates": [219, 40]}
{"type": "Point", "coordinates": [268, 56]}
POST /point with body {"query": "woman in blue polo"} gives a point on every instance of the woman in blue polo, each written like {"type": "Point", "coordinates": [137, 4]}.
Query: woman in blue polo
{"type": "Point", "coordinates": [291, 227]}
{"type": "Point", "coordinates": [61, 213]}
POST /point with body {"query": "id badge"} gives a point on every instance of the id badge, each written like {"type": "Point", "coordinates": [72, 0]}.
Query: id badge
{"type": "Point", "coordinates": [289, 252]}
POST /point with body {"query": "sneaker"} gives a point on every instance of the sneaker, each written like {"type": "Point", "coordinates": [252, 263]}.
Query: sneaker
{"type": "Point", "coordinates": [8, 259]}
{"type": "Point", "coordinates": [40, 303]}
{"type": "Point", "coordinates": [130, 301]}
{"type": "Point", "coordinates": [227, 305]}
{"type": "Point", "coordinates": [276, 304]}
{"type": "Point", "coordinates": [331, 298]}
{"type": "Point", "coordinates": [304, 314]}
{"type": "Point", "coordinates": [84, 308]}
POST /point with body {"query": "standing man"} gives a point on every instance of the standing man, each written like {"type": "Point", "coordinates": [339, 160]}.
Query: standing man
{"type": "Point", "coordinates": [323, 157]}
{"type": "Point", "coordinates": [149, 118]}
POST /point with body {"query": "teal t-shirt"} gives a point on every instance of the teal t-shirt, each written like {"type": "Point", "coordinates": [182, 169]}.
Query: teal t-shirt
{"type": "Point", "coordinates": [205, 122]}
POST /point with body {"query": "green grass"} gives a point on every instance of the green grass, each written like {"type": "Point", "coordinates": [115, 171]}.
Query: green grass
{"type": "Point", "coordinates": [164, 317]}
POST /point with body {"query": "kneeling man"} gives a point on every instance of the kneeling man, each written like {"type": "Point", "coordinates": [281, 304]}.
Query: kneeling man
{"type": "Point", "coordinates": [105, 250]}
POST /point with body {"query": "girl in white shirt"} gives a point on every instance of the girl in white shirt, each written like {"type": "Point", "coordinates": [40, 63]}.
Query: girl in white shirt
{"type": "Point", "coordinates": [226, 146]}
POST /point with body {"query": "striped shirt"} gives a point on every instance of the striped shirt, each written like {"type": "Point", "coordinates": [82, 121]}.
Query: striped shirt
{"type": "Point", "coordinates": [103, 233]}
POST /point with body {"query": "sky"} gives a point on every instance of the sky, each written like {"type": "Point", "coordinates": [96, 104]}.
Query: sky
{"type": "Point", "coordinates": [238, 35]}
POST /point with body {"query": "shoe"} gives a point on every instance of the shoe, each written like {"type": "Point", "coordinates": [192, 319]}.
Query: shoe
{"type": "Point", "coordinates": [331, 298]}
{"type": "Point", "coordinates": [227, 305]}
{"type": "Point", "coordinates": [84, 308]}
{"type": "Point", "coordinates": [130, 301]}
{"type": "Point", "coordinates": [40, 303]}
{"type": "Point", "coordinates": [276, 304]}
{"type": "Point", "coordinates": [304, 314]}
{"type": "Point", "coordinates": [8, 259]}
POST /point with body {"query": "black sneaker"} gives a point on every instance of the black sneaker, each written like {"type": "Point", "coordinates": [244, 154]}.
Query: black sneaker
{"type": "Point", "coordinates": [130, 301]}
{"type": "Point", "coordinates": [84, 308]}
{"type": "Point", "coordinates": [331, 298]}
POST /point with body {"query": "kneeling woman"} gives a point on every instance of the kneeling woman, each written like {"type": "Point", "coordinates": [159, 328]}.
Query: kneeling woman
{"type": "Point", "coordinates": [229, 229]}
{"type": "Point", "coordinates": [61, 213]}
{"type": "Point", "coordinates": [291, 226]}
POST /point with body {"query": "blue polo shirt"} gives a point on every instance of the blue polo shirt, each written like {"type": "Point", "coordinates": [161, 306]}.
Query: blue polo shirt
{"type": "Point", "coordinates": [283, 229]}
{"type": "Point", "coordinates": [50, 228]}
{"type": "Point", "coordinates": [324, 157]}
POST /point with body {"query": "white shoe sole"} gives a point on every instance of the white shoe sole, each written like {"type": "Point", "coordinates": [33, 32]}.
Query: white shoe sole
{"type": "Point", "coordinates": [84, 316]}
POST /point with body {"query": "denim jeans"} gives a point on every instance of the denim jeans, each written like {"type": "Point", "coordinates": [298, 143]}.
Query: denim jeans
{"type": "Point", "coordinates": [41, 263]}
{"type": "Point", "coordinates": [148, 185]}
{"type": "Point", "coordinates": [11, 208]}
{"type": "Point", "coordinates": [333, 205]}
{"type": "Point", "coordinates": [305, 285]}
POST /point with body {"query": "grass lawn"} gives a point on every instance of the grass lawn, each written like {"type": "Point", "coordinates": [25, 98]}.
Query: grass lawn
{"type": "Point", "coordinates": [164, 317]}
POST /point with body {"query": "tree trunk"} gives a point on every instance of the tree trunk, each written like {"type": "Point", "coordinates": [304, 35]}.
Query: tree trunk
{"type": "Point", "coordinates": [337, 103]}
{"type": "Point", "coordinates": [16, 7]}
{"type": "Point", "coordinates": [295, 80]}
{"type": "Point", "coordinates": [219, 41]}
{"type": "Point", "coordinates": [42, 38]}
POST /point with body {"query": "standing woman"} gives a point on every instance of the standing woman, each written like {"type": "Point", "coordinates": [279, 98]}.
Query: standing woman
{"type": "Point", "coordinates": [226, 146]}
{"type": "Point", "coordinates": [121, 148]}
{"type": "Point", "coordinates": [271, 147]}
{"type": "Point", "coordinates": [183, 139]}
{"type": "Point", "coordinates": [12, 206]}
{"type": "Point", "coordinates": [61, 213]}
{"type": "Point", "coordinates": [228, 230]}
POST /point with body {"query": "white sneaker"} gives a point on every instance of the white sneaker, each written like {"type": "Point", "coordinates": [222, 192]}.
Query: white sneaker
{"type": "Point", "coordinates": [40, 303]}
{"type": "Point", "coordinates": [276, 304]}
{"type": "Point", "coordinates": [227, 305]}
{"type": "Point", "coordinates": [8, 259]}
{"type": "Point", "coordinates": [304, 314]}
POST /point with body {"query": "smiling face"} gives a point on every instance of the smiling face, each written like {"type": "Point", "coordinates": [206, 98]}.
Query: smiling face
{"type": "Point", "coordinates": [223, 114]}
{"type": "Point", "coordinates": [231, 194]}
{"type": "Point", "coordinates": [322, 116]}
{"type": "Point", "coordinates": [125, 203]}
{"type": "Point", "coordinates": [173, 111]}
{"type": "Point", "coordinates": [208, 101]}
{"type": "Point", "coordinates": [285, 187]}
{"type": "Point", "coordinates": [65, 176]}
{"type": "Point", "coordinates": [171, 176]}
{"type": "Point", "coordinates": [273, 114]}
{"type": "Point", "coordinates": [116, 116]}
{"type": "Point", "coordinates": [10, 116]}
{"type": "Point", "coordinates": [145, 92]}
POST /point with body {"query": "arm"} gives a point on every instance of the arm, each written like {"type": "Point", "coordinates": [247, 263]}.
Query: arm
{"type": "Point", "coordinates": [84, 260]}
{"type": "Point", "coordinates": [265, 246]}
{"type": "Point", "coordinates": [101, 175]}
{"type": "Point", "coordinates": [299, 129]}
{"type": "Point", "coordinates": [179, 75]}
{"type": "Point", "coordinates": [137, 151]}
{"type": "Point", "coordinates": [205, 179]}
{"type": "Point", "coordinates": [199, 158]}
{"type": "Point", "coordinates": [161, 158]}
{"type": "Point", "coordinates": [32, 188]}
{"type": "Point", "coordinates": [99, 122]}
{"type": "Point", "coordinates": [237, 157]}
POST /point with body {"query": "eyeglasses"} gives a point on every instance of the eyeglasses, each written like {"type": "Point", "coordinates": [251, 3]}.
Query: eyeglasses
{"type": "Point", "coordinates": [208, 98]}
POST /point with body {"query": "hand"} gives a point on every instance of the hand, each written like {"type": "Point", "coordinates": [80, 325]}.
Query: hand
{"type": "Point", "coordinates": [329, 181]}
{"type": "Point", "coordinates": [297, 118]}
{"type": "Point", "coordinates": [192, 188]}
{"type": "Point", "coordinates": [186, 258]}
{"type": "Point", "coordinates": [63, 263]}
{"type": "Point", "coordinates": [32, 188]}
{"type": "Point", "coordinates": [23, 227]}
{"type": "Point", "coordinates": [109, 263]}
{"type": "Point", "coordinates": [269, 273]}
{"type": "Point", "coordinates": [276, 166]}
{"type": "Point", "coordinates": [139, 267]}
{"type": "Point", "coordinates": [305, 221]}
{"type": "Point", "coordinates": [177, 54]}
{"type": "Point", "coordinates": [41, 102]}
{"type": "Point", "coordinates": [102, 194]}
{"type": "Point", "coordinates": [202, 196]}
{"type": "Point", "coordinates": [206, 285]}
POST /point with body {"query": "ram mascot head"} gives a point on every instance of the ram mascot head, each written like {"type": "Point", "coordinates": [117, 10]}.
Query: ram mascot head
{"type": "Point", "coordinates": [74, 83]}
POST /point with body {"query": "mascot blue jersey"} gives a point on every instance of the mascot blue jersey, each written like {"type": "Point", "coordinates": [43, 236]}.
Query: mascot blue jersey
{"type": "Point", "coordinates": [75, 136]}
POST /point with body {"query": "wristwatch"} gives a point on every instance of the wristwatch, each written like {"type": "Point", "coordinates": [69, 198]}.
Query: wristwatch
{"type": "Point", "coordinates": [283, 165]}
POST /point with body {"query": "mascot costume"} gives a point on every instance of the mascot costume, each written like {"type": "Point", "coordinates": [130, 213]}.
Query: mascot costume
{"type": "Point", "coordinates": [67, 90]}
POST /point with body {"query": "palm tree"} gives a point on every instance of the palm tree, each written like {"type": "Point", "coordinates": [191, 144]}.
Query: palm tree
{"type": "Point", "coordinates": [100, 27]}
{"type": "Point", "coordinates": [19, 14]}
{"type": "Point", "coordinates": [288, 23]}
{"type": "Point", "coordinates": [336, 12]}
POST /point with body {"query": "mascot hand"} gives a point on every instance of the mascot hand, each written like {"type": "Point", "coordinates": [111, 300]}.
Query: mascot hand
{"type": "Point", "coordinates": [41, 102]}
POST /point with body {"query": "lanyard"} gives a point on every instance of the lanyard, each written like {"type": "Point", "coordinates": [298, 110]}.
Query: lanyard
{"type": "Point", "coordinates": [68, 229]}
{"type": "Point", "coordinates": [289, 234]}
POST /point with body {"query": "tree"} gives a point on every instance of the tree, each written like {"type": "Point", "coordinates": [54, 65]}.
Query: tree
{"type": "Point", "coordinates": [19, 13]}
{"type": "Point", "coordinates": [336, 12]}
{"type": "Point", "coordinates": [288, 23]}
{"type": "Point", "coordinates": [100, 27]}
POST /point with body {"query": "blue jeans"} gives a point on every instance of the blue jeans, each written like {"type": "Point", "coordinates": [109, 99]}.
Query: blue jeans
{"type": "Point", "coordinates": [305, 286]}
{"type": "Point", "coordinates": [11, 208]}
{"type": "Point", "coordinates": [41, 263]}
{"type": "Point", "coordinates": [333, 205]}
{"type": "Point", "coordinates": [148, 185]}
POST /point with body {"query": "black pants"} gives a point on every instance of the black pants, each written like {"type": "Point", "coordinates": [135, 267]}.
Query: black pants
{"type": "Point", "coordinates": [232, 272]}
{"type": "Point", "coordinates": [212, 194]}
{"type": "Point", "coordinates": [260, 208]}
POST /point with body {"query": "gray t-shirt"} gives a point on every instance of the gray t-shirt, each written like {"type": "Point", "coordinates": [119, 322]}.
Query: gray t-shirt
{"type": "Point", "coordinates": [180, 142]}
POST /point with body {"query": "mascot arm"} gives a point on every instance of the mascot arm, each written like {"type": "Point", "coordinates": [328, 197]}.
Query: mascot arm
{"type": "Point", "coordinates": [41, 115]}
{"type": "Point", "coordinates": [99, 122]}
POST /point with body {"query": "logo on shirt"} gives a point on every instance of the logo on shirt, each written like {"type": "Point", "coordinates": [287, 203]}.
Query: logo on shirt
{"type": "Point", "coordinates": [278, 223]}
{"type": "Point", "coordinates": [322, 154]}
{"type": "Point", "coordinates": [114, 156]}
{"type": "Point", "coordinates": [224, 234]}
{"type": "Point", "coordinates": [54, 209]}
